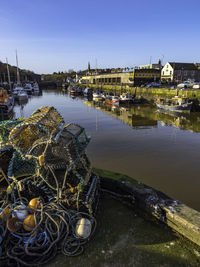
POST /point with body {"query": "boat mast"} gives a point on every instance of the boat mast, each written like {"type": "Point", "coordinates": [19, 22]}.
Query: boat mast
{"type": "Point", "coordinates": [8, 74]}
{"type": "Point", "coordinates": [18, 77]}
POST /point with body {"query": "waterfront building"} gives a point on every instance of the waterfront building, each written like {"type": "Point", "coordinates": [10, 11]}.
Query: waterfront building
{"type": "Point", "coordinates": [144, 76]}
{"type": "Point", "coordinates": [136, 77]}
{"type": "Point", "coordinates": [176, 72]}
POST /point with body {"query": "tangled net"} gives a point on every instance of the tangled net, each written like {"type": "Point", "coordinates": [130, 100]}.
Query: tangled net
{"type": "Point", "coordinates": [48, 193]}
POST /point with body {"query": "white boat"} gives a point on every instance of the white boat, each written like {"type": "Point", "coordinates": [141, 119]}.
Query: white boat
{"type": "Point", "coordinates": [16, 90]}
{"type": "Point", "coordinates": [35, 87]}
{"type": "Point", "coordinates": [125, 98]}
{"type": "Point", "coordinates": [97, 96]}
{"type": "Point", "coordinates": [22, 95]}
{"type": "Point", "coordinates": [28, 88]}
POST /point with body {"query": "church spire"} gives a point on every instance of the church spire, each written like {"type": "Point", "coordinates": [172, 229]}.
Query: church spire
{"type": "Point", "coordinates": [88, 66]}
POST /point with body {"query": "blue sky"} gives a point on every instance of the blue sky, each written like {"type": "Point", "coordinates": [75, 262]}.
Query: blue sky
{"type": "Point", "coordinates": [60, 35]}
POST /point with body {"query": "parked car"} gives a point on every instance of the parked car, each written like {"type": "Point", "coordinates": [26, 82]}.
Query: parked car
{"type": "Point", "coordinates": [153, 84]}
{"type": "Point", "coordinates": [186, 84]}
{"type": "Point", "coordinates": [196, 86]}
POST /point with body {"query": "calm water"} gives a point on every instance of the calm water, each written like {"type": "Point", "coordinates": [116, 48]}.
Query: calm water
{"type": "Point", "coordinates": [160, 150]}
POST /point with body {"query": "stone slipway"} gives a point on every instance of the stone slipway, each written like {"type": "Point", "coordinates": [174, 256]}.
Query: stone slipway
{"type": "Point", "coordinates": [150, 201]}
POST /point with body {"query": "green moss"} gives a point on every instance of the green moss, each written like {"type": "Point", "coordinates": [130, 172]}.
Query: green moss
{"type": "Point", "coordinates": [116, 176]}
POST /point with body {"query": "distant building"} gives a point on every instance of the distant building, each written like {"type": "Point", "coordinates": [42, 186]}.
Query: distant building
{"type": "Point", "coordinates": [177, 72]}
{"type": "Point", "coordinates": [136, 77]}
{"type": "Point", "coordinates": [152, 66]}
{"type": "Point", "coordinates": [144, 76]}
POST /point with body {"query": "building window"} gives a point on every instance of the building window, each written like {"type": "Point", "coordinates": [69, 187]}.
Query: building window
{"type": "Point", "coordinates": [163, 73]}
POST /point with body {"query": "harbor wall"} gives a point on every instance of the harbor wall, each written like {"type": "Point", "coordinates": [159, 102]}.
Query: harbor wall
{"type": "Point", "coordinates": [151, 202]}
{"type": "Point", "coordinates": [148, 91]}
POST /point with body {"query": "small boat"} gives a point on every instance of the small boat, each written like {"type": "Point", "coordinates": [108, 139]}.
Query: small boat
{"type": "Point", "coordinates": [6, 102]}
{"type": "Point", "coordinates": [28, 88]}
{"type": "Point", "coordinates": [97, 96]}
{"type": "Point", "coordinates": [16, 90]}
{"type": "Point", "coordinates": [88, 92]}
{"type": "Point", "coordinates": [22, 95]}
{"type": "Point", "coordinates": [75, 91]}
{"type": "Point", "coordinates": [112, 100]}
{"type": "Point", "coordinates": [35, 87]}
{"type": "Point", "coordinates": [179, 104]}
{"type": "Point", "coordinates": [125, 98]}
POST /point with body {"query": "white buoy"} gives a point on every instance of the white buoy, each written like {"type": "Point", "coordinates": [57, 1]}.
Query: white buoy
{"type": "Point", "coordinates": [20, 212]}
{"type": "Point", "coordinates": [83, 228]}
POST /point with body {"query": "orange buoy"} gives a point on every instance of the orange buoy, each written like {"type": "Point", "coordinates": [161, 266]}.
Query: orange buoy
{"type": "Point", "coordinates": [14, 224]}
{"type": "Point", "coordinates": [4, 214]}
{"type": "Point", "coordinates": [41, 159]}
{"type": "Point", "coordinates": [29, 222]}
{"type": "Point", "coordinates": [34, 203]}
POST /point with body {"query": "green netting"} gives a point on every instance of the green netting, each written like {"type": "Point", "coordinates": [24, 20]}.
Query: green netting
{"type": "Point", "coordinates": [18, 167]}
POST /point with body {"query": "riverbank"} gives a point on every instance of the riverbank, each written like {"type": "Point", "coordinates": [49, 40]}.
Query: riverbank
{"type": "Point", "coordinates": [148, 91]}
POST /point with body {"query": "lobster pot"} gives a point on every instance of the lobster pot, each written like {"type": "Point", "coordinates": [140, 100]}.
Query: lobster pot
{"type": "Point", "coordinates": [71, 178]}
{"type": "Point", "coordinates": [19, 167]}
{"type": "Point", "coordinates": [89, 196]}
{"type": "Point", "coordinates": [62, 153]}
{"type": "Point", "coordinates": [39, 125]}
{"type": "Point", "coordinates": [5, 128]}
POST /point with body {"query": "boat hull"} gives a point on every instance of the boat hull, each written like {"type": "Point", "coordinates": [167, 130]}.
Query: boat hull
{"type": "Point", "coordinates": [177, 108]}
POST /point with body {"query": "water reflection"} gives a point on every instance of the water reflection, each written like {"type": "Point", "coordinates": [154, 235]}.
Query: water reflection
{"type": "Point", "coordinates": [146, 116]}
{"type": "Point", "coordinates": [136, 140]}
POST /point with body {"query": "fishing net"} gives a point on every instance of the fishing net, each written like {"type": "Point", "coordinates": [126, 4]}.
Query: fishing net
{"type": "Point", "coordinates": [5, 128]}
{"type": "Point", "coordinates": [40, 125]}
{"type": "Point", "coordinates": [19, 167]}
{"type": "Point", "coordinates": [44, 160]}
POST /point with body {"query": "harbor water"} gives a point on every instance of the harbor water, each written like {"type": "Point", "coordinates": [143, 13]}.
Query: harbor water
{"type": "Point", "coordinates": [158, 149]}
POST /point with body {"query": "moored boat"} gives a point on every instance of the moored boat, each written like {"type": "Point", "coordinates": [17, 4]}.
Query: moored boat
{"type": "Point", "coordinates": [35, 87]}
{"type": "Point", "coordinates": [97, 96]}
{"type": "Point", "coordinates": [22, 95]}
{"type": "Point", "coordinates": [28, 88]}
{"type": "Point", "coordinates": [88, 91]}
{"type": "Point", "coordinates": [178, 104]}
{"type": "Point", "coordinates": [6, 102]}
{"type": "Point", "coordinates": [112, 100]}
{"type": "Point", "coordinates": [125, 98]}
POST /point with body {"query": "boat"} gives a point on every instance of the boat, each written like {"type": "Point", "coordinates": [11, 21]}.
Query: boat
{"type": "Point", "coordinates": [22, 95]}
{"type": "Point", "coordinates": [35, 87]}
{"type": "Point", "coordinates": [75, 90]}
{"type": "Point", "coordinates": [112, 100]}
{"type": "Point", "coordinates": [97, 96]}
{"type": "Point", "coordinates": [178, 104]}
{"type": "Point", "coordinates": [88, 92]}
{"type": "Point", "coordinates": [28, 88]}
{"type": "Point", "coordinates": [6, 102]}
{"type": "Point", "coordinates": [125, 98]}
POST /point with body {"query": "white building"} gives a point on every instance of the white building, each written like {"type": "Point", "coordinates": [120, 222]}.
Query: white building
{"type": "Point", "coordinates": [177, 72]}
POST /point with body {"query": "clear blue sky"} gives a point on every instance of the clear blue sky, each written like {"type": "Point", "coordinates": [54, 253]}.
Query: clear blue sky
{"type": "Point", "coordinates": [60, 35]}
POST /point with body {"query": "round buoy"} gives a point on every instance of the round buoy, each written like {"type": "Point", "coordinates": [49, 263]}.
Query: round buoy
{"type": "Point", "coordinates": [29, 222]}
{"type": "Point", "coordinates": [33, 204]}
{"type": "Point", "coordinates": [83, 228]}
{"type": "Point", "coordinates": [20, 212]}
{"type": "Point", "coordinates": [4, 214]}
{"type": "Point", "coordinates": [14, 224]}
